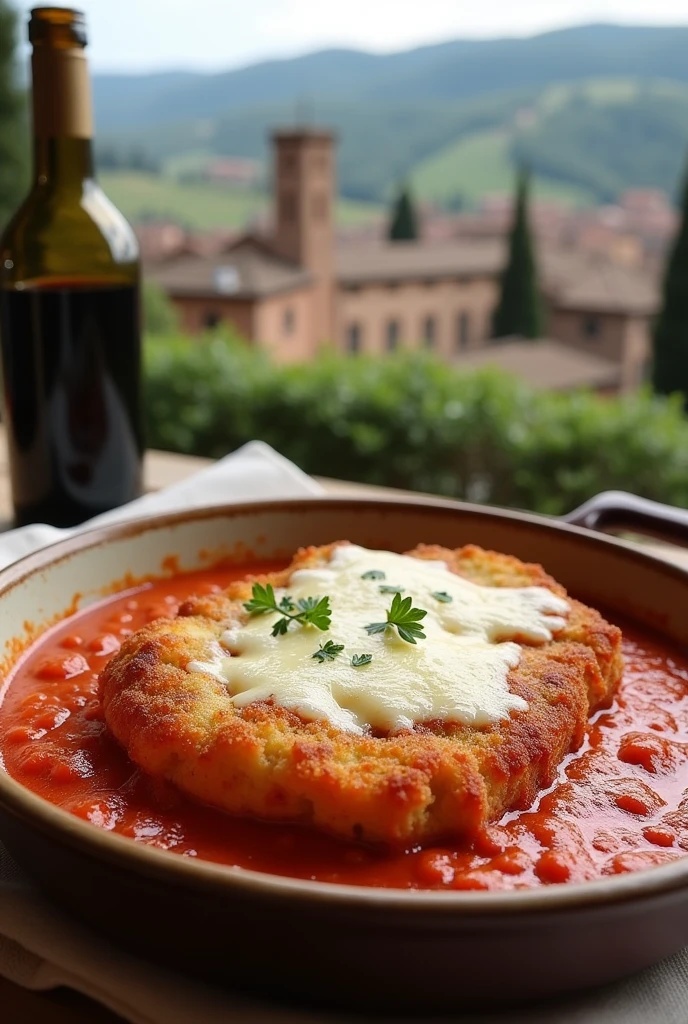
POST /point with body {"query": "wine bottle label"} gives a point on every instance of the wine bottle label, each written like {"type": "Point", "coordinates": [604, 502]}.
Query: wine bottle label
{"type": "Point", "coordinates": [62, 105]}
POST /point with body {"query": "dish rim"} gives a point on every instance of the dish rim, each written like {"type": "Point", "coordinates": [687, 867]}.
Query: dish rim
{"type": "Point", "coordinates": [64, 827]}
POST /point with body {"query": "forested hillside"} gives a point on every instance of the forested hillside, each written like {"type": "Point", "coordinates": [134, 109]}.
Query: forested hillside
{"type": "Point", "coordinates": [592, 110]}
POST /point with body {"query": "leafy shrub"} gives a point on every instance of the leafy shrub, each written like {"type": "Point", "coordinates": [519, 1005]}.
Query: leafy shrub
{"type": "Point", "coordinates": [159, 315]}
{"type": "Point", "coordinates": [413, 422]}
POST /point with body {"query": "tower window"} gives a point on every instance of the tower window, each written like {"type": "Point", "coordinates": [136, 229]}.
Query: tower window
{"type": "Point", "coordinates": [353, 338]}
{"type": "Point", "coordinates": [463, 331]}
{"type": "Point", "coordinates": [591, 327]}
{"type": "Point", "coordinates": [287, 207]}
{"type": "Point", "coordinates": [429, 337]}
{"type": "Point", "coordinates": [211, 319]}
{"type": "Point", "coordinates": [488, 333]}
{"type": "Point", "coordinates": [288, 320]}
{"type": "Point", "coordinates": [392, 335]}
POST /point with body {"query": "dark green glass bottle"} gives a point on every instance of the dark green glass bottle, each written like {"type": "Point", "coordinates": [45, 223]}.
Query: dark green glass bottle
{"type": "Point", "coordinates": [69, 306]}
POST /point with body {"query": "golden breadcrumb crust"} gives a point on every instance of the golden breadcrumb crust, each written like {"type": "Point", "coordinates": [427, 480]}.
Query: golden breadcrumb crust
{"type": "Point", "coordinates": [436, 781]}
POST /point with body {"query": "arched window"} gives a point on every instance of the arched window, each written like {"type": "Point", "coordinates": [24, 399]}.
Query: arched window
{"type": "Point", "coordinates": [591, 327]}
{"type": "Point", "coordinates": [463, 331]}
{"type": "Point", "coordinates": [429, 332]}
{"type": "Point", "coordinates": [353, 338]}
{"type": "Point", "coordinates": [392, 335]}
{"type": "Point", "coordinates": [287, 207]}
{"type": "Point", "coordinates": [211, 319]}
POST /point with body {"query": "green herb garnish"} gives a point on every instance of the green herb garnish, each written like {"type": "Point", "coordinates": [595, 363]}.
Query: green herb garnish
{"type": "Point", "coordinates": [404, 617]}
{"type": "Point", "coordinates": [307, 611]}
{"type": "Point", "coordinates": [373, 574]}
{"type": "Point", "coordinates": [361, 659]}
{"type": "Point", "coordinates": [329, 652]}
{"type": "Point", "coordinates": [443, 596]}
{"type": "Point", "coordinates": [387, 588]}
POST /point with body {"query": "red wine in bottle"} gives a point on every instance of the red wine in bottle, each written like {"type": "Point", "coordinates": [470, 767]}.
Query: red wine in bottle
{"type": "Point", "coordinates": [69, 307]}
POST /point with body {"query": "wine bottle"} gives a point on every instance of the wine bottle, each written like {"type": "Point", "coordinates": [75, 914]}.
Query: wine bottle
{"type": "Point", "coordinates": [70, 334]}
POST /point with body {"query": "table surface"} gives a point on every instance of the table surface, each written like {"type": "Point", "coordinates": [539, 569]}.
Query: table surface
{"type": "Point", "coordinates": [20, 1006]}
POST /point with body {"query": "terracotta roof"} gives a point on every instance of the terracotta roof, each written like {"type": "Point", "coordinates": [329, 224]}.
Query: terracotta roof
{"type": "Point", "coordinates": [592, 283]}
{"type": "Point", "coordinates": [573, 279]}
{"type": "Point", "coordinates": [246, 270]}
{"type": "Point", "coordinates": [405, 261]}
{"type": "Point", "coordinates": [546, 365]}
{"type": "Point", "coordinates": [249, 268]}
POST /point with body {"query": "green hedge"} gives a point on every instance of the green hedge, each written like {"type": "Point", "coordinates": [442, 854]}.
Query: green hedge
{"type": "Point", "coordinates": [159, 315]}
{"type": "Point", "coordinates": [411, 421]}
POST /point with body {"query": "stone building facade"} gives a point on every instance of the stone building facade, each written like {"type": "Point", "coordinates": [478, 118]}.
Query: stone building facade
{"type": "Point", "coordinates": [298, 290]}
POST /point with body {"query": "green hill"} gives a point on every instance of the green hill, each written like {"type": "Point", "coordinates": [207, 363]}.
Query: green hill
{"type": "Point", "coordinates": [202, 206]}
{"type": "Point", "coordinates": [445, 72]}
{"type": "Point", "coordinates": [478, 165]}
{"type": "Point", "coordinates": [584, 143]}
{"type": "Point", "coordinates": [592, 111]}
{"type": "Point", "coordinates": [378, 143]}
{"type": "Point", "coordinates": [604, 137]}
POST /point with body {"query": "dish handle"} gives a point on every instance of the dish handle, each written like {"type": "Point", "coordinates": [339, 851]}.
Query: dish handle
{"type": "Point", "coordinates": [617, 511]}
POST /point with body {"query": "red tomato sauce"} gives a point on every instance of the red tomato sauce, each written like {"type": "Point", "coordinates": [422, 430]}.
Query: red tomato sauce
{"type": "Point", "coordinates": [620, 803]}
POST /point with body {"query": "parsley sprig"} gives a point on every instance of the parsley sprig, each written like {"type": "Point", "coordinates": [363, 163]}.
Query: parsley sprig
{"type": "Point", "coordinates": [328, 652]}
{"type": "Point", "coordinates": [404, 617]}
{"type": "Point", "coordinates": [361, 659]}
{"type": "Point", "coordinates": [307, 611]}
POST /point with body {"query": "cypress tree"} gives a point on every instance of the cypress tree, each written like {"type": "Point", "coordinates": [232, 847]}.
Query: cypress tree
{"type": "Point", "coordinates": [403, 224]}
{"type": "Point", "coordinates": [13, 120]}
{"type": "Point", "coordinates": [670, 363]}
{"type": "Point", "coordinates": [519, 310]}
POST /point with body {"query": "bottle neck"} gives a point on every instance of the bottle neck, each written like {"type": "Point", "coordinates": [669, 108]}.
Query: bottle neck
{"type": "Point", "coordinates": [62, 163]}
{"type": "Point", "coordinates": [62, 117]}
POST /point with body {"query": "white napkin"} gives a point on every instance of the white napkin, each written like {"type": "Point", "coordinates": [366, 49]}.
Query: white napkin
{"type": "Point", "coordinates": [253, 472]}
{"type": "Point", "coordinates": [41, 948]}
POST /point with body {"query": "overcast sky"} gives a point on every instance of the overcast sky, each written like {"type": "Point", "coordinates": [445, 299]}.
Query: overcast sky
{"type": "Point", "coordinates": [144, 35]}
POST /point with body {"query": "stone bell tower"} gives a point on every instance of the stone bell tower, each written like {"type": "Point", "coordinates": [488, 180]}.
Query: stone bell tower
{"type": "Point", "coordinates": [304, 185]}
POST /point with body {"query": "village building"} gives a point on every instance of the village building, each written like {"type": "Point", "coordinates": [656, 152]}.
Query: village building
{"type": "Point", "coordinates": [296, 290]}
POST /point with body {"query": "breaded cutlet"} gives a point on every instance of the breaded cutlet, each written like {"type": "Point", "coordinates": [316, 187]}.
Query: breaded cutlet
{"type": "Point", "coordinates": [434, 780]}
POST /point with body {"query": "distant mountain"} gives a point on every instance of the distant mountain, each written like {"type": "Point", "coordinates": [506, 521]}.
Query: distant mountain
{"type": "Point", "coordinates": [124, 101]}
{"type": "Point", "coordinates": [448, 71]}
{"type": "Point", "coordinates": [593, 110]}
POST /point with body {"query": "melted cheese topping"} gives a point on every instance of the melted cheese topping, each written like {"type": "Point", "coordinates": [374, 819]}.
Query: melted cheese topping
{"type": "Point", "coordinates": [457, 674]}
